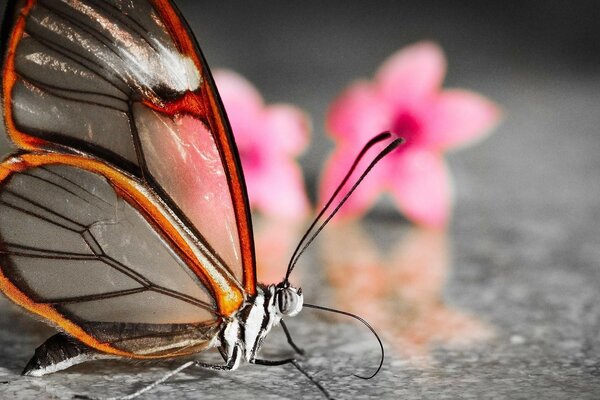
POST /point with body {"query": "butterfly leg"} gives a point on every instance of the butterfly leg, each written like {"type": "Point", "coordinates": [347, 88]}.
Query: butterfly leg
{"type": "Point", "coordinates": [299, 368]}
{"type": "Point", "coordinates": [290, 340]}
{"type": "Point", "coordinates": [57, 353]}
{"type": "Point", "coordinates": [231, 362]}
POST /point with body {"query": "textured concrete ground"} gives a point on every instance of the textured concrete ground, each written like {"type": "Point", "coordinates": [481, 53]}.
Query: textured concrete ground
{"type": "Point", "coordinates": [506, 305]}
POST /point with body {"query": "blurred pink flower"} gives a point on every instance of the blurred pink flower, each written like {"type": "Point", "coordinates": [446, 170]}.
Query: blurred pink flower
{"type": "Point", "coordinates": [406, 98]}
{"type": "Point", "coordinates": [268, 139]}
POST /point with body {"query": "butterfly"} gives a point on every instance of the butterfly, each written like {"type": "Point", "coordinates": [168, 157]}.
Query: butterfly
{"type": "Point", "coordinates": [124, 216]}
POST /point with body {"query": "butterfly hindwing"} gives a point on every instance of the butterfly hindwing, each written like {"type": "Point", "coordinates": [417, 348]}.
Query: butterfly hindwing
{"type": "Point", "coordinates": [76, 250]}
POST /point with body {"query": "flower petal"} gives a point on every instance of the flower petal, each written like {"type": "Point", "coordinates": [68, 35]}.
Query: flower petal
{"type": "Point", "coordinates": [359, 114]}
{"type": "Point", "coordinates": [406, 98]}
{"type": "Point", "coordinates": [287, 128]}
{"type": "Point", "coordinates": [267, 138]}
{"type": "Point", "coordinates": [364, 196]}
{"type": "Point", "coordinates": [243, 103]}
{"type": "Point", "coordinates": [280, 191]}
{"type": "Point", "coordinates": [412, 74]}
{"type": "Point", "coordinates": [421, 187]}
{"type": "Point", "coordinates": [458, 117]}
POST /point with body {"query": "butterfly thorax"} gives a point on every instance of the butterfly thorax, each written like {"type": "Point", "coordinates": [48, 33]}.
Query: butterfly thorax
{"type": "Point", "coordinates": [243, 335]}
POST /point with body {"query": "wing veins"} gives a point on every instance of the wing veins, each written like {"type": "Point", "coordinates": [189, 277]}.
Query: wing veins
{"type": "Point", "coordinates": [33, 214]}
{"type": "Point", "coordinates": [183, 297]}
{"type": "Point", "coordinates": [127, 292]}
{"type": "Point", "coordinates": [125, 19]}
{"type": "Point", "coordinates": [50, 257]}
{"type": "Point", "coordinates": [96, 248]}
{"type": "Point", "coordinates": [137, 143]}
{"type": "Point", "coordinates": [54, 92]}
{"type": "Point", "coordinates": [93, 297]}
{"type": "Point", "coordinates": [103, 209]}
{"type": "Point", "coordinates": [90, 30]}
{"type": "Point", "coordinates": [77, 185]}
{"type": "Point", "coordinates": [38, 205]}
{"type": "Point", "coordinates": [141, 279]}
{"type": "Point", "coordinates": [33, 250]}
{"type": "Point", "coordinates": [67, 53]}
{"type": "Point", "coordinates": [48, 87]}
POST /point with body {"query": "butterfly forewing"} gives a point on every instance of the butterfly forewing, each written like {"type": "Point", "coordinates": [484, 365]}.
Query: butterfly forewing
{"type": "Point", "coordinates": [129, 214]}
{"type": "Point", "coordinates": [108, 78]}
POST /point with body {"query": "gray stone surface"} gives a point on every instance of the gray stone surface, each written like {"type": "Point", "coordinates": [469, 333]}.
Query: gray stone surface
{"type": "Point", "coordinates": [505, 306]}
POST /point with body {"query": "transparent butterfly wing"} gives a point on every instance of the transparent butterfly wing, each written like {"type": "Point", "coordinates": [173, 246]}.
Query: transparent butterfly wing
{"type": "Point", "coordinates": [120, 84]}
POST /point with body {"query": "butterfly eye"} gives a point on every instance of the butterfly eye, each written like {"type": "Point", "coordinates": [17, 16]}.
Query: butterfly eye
{"type": "Point", "coordinates": [289, 302]}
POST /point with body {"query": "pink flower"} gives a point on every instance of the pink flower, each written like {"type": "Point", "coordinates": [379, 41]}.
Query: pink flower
{"type": "Point", "coordinates": [405, 97]}
{"type": "Point", "coordinates": [268, 139]}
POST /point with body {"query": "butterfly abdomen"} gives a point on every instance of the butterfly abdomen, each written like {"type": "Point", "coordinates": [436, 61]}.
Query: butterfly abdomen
{"type": "Point", "coordinates": [57, 353]}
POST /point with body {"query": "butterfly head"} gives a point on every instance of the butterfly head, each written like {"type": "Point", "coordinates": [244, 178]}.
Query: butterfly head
{"type": "Point", "coordinates": [288, 299]}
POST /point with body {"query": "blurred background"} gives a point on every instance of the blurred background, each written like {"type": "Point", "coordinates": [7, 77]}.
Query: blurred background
{"type": "Point", "coordinates": [522, 255]}
{"type": "Point", "coordinates": [505, 304]}
{"type": "Point", "coordinates": [539, 60]}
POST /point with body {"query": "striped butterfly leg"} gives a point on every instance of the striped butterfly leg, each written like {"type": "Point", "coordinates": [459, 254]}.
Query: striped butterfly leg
{"type": "Point", "coordinates": [60, 352]}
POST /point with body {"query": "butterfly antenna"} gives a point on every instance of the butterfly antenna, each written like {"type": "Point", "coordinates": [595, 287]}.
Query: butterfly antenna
{"type": "Point", "coordinates": [307, 239]}
{"type": "Point", "coordinates": [333, 310]}
{"type": "Point", "coordinates": [370, 143]}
